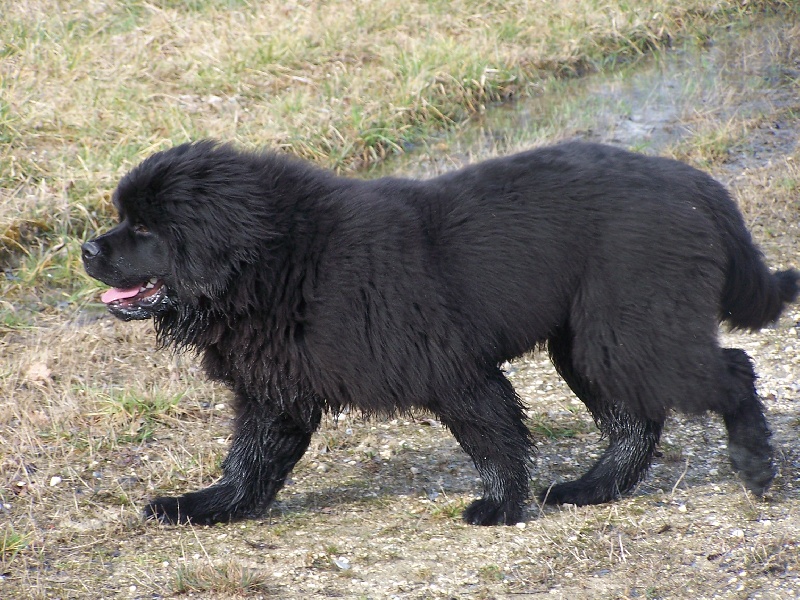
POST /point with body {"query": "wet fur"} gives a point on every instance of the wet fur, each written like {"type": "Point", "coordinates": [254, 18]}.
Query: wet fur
{"type": "Point", "coordinates": [306, 292]}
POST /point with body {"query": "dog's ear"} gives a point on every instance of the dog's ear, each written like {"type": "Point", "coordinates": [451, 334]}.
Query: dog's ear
{"type": "Point", "coordinates": [211, 245]}
{"type": "Point", "coordinates": [218, 235]}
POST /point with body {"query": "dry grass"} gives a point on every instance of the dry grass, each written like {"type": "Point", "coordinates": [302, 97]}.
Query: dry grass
{"type": "Point", "coordinates": [90, 87]}
{"type": "Point", "coordinates": [336, 81]}
{"type": "Point", "coordinates": [373, 509]}
{"type": "Point", "coordinates": [93, 420]}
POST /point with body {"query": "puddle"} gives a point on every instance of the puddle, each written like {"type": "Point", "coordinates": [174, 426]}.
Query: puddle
{"type": "Point", "coordinates": [649, 107]}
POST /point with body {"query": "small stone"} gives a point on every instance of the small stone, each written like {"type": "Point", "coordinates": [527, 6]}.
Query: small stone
{"type": "Point", "coordinates": [342, 563]}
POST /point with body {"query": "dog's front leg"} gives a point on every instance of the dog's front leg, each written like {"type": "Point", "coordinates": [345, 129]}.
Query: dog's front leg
{"type": "Point", "coordinates": [266, 446]}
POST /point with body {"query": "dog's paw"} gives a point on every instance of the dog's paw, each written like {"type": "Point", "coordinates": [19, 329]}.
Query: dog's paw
{"type": "Point", "coordinates": [577, 493]}
{"type": "Point", "coordinates": [166, 510]}
{"type": "Point", "coordinates": [489, 512]}
{"type": "Point", "coordinates": [220, 503]}
{"type": "Point", "coordinates": [185, 509]}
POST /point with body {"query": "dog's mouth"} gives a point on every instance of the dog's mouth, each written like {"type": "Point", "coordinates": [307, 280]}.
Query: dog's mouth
{"type": "Point", "coordinates": [140, 302]}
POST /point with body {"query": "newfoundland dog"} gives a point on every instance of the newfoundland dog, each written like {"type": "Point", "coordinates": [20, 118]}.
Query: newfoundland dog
{"type": "Point", "coordinates": [307, 292]}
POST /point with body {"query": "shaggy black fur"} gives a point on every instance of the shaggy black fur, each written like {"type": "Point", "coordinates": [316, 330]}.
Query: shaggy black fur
{"type": "Point", "coordinates": [306, 292]}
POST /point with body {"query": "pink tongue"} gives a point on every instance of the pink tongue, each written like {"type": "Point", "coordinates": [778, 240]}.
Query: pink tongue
{"type": "Point", "coordinates": [118, 294]}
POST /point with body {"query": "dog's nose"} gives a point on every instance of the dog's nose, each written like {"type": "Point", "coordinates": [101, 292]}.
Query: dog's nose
{"type": "Point", "coordinates": [90, 249]}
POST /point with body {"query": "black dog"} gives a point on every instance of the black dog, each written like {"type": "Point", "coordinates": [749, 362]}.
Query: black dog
{"type": "Point", "coordinates": [308, 292]}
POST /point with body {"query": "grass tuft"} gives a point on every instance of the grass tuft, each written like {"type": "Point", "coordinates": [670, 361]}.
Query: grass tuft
{"type": "Point", "coordinates": [12, 543]}
{"type": "Point", "coordinates": [229, 577]}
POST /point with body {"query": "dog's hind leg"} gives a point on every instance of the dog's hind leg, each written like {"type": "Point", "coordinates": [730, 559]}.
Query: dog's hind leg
{"type": "Point", "coordinates": [487, 420]}
{"type": "Point", "coordinates": [632, 439]}
{"type": "Point", "coordinates": [265, 448]}
{"type": "Point", "coordinates": [748, 432]}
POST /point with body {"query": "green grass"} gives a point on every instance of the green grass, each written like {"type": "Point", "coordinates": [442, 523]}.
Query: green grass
{"type": "Point", "coordinates": [450, 510]}
{"type": "Point", "coordinates": [491, 573]}
{"type": "Point", "coordinates": [12, 543]}
{"type": "Point", "coordinates": [133, 413]}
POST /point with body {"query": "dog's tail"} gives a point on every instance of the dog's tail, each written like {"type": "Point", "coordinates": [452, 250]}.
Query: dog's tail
{"type": "Point", "coordinates": [753, 296]}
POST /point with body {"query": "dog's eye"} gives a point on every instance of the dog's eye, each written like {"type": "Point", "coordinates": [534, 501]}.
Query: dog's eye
{"type": "Point", "coordinates": [140, 229]}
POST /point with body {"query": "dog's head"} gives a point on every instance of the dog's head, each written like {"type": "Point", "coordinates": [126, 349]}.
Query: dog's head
{"type": "Point", "coordinates": [190, 218]}
{"type": "Point", "coordinates": [134, 260]}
